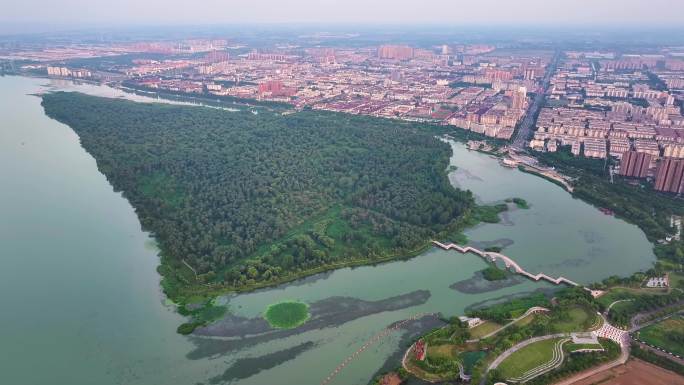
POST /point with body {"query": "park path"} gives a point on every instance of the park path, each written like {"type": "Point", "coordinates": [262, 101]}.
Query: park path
{"type": "Point", "coordinates": [521, 345]}
{"type": "Point", "coordinates": [532, 310]}
{"type": "Point", "coordinates": [556, 361]}
{"type": "Point", "coordinates": [605, 313]}
{"type": "Point", "coordinates": [606, 331]}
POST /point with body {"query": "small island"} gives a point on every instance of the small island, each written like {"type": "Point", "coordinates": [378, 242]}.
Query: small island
{"type": "Point", "coordinates": [519, 202]}
{"type": "Point", "coordinates": [287, 315]}
{"type": "Point", "coordinates": [492, 273]}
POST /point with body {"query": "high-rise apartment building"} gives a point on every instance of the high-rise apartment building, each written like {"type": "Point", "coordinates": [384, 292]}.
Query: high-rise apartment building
{"type": "Point", "coordinates": [272, 86]}
{"type": "Point", "coordinates": [519, 99]}
{"type": "Point", "coordinates": [398, 52]}
{"type": "Point", "coordinates": [670, 176]}
{"type": "Point", "coordinates": [635, 164]}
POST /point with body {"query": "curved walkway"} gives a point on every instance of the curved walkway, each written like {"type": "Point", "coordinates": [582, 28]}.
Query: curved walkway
{"type": "Point", "coordinates": [556, 361]}
{"type": "Point", "coordinates": [532, 310]}
{"type": "Point", "coordinates": [493, 257]}
{"type": "Point", "coordinates": [519, 346]}
{"type": "Point", "coordinates": [606, 331]}
{"type": "Point", "coordinates": [605, 313]}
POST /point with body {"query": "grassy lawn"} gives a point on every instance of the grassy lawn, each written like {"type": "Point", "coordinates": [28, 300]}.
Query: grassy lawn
{"type": "Point", "coordinates": [442, 351]}
{"type": "Point", "coordinates": [660, 334]}
{"type": "Point", "coordinates": [528, 358]}
{"type": "Point", "coordinates": [677, 280]}
{"type": "Point", "coordinates": [621, 306]}
{"type": "Point", "coordinates": [618, 293]}
{"type": "Point", "coordinates": [526, 321]}
{"type": "Point", "coordinates": [483, 329]}
{"type": "Point", "coordinates": [578, 318]}
{"type": "Point", "coordinates": [287, 315]}
{"type": "Point", "coordinates": [614, 294]}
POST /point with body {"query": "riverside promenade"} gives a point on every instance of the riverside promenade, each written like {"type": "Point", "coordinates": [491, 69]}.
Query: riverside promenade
{"type": "Point", "coordinates": [510, 263]}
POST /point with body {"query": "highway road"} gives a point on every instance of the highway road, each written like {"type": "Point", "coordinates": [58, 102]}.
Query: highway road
{"type": "Point", "coordinates": [526, 126]}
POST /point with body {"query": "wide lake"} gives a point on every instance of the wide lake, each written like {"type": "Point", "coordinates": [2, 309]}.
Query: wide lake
{"type": "Point", "coordinates": [80, 295]}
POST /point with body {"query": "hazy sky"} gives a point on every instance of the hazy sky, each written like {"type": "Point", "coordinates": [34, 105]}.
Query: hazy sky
{"type": "Point", "coordinates": [457, 12]}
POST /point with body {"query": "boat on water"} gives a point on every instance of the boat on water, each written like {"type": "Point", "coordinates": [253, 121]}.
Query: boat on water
{"type": "Point", "coordinates": [509, 163]}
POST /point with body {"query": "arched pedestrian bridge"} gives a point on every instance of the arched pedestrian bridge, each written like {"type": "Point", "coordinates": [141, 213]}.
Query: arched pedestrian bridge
{"type": "Point", "coordinates": [493, 257]}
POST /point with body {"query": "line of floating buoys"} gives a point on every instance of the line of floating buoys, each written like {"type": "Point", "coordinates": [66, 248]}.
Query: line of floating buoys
{"type": "Point", "coordinates": [377, 337]}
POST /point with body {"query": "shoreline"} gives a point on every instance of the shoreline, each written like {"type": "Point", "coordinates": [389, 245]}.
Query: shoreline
{"type": "Point", "coordinates": [206, 291]}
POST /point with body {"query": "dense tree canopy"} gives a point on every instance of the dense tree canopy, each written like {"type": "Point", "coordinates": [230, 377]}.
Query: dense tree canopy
{"type": "Point", "coordinates": [244, 198]}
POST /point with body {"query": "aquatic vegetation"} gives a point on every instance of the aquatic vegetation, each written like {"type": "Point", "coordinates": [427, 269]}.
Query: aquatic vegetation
{"type": "Point", "coordinates": [287, 315]}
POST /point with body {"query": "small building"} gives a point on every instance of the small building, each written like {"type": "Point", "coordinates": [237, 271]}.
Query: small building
{"type": "Point", "coordinates": [471, 322]}
{"type": "Point", "coordinates": [658, 282]}
{"type": "Point", "coordinates": [584, 338]}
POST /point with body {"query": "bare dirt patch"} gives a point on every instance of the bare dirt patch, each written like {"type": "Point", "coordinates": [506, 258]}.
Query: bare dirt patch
{"type": "Point", "coordinates": [391, 379]}
{"type": "Point", "coordinates": [634, 372]}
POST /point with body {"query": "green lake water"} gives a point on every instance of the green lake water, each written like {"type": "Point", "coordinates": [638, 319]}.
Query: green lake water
{"type": "Point", "coordinates": [81, 298]}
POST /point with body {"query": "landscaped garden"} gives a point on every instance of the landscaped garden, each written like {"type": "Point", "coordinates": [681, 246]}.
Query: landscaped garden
{"type": "Point", "coordinates": [575, 318]}
{"type": "Point", "coordinates": [533, 359]}
{"type": "Point", "coordinates": [572, 310]}
{"type": "Point", "coordinates": [483, 329]}
{"type": "Point", "coordinates": [636, 300]}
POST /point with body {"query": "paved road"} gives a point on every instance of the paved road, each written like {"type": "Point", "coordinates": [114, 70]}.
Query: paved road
{"type": "Point", "coordinates": [525, 128]}
{"type": "Point", "coordinates": [661, 353]}
{"type": "Point", "coordinates": [634, 322]}
{"type": "Point", "coordinates": [652, 349]}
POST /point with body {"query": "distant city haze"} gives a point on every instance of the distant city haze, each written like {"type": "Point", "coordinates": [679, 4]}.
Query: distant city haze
{"type": "Point", "coordinates": [47, 14]}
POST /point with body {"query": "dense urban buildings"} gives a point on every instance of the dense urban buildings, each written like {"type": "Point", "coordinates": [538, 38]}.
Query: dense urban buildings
{"type": "Point", "coordinates": [611, 105]}
{"type": "Point", "coordinates": [467, 86]}
{"type": "Point", "coordinates": [626, 107]}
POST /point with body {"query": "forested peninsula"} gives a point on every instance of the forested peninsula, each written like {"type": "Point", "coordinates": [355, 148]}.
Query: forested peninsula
{"type": "Point", "coordinates": [238, 200]}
